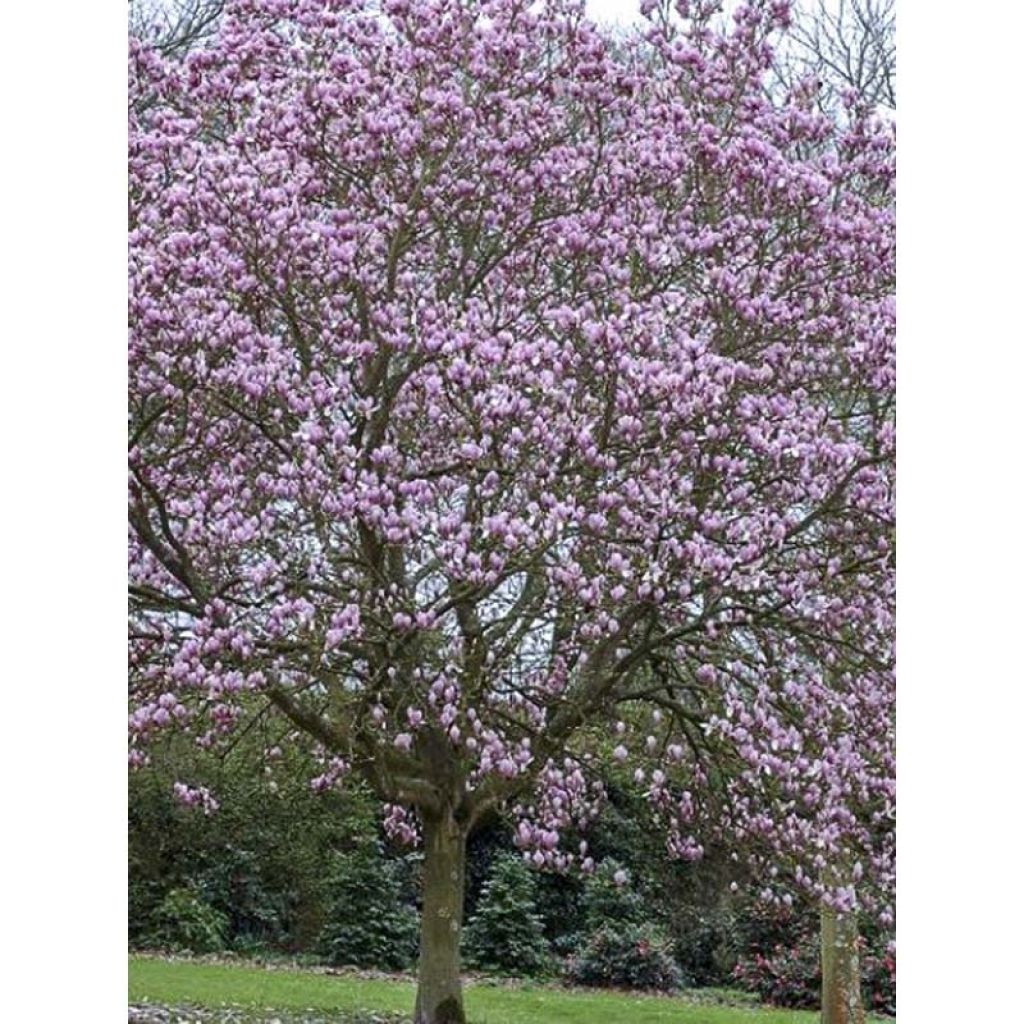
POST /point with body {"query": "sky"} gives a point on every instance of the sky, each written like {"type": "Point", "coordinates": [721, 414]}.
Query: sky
{"type": "Point", "coordinates": [626, 11]}
{"type": "Point", "coordinates": [621, 11]}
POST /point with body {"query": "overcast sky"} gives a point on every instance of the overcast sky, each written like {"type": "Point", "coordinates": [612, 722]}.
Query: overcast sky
{"type": "Point", "coordinates": [625, 11]}
{"type": "Point", "coordinates": [622, 11]}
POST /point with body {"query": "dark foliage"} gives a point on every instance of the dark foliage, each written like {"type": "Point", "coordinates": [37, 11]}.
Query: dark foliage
{"type": "Point", "coordinates": [786, 976]}
{"type": "Point", "coordinates": [262, 861]}
{"type": "Point", "coordinates": [281, 869]}
{"type": "Point", "coordinates": [184, 921]}
{"type": "Point", "coordinates": [627, 956]}
{"type": "Point", "coordinates": [506, 934]}
{"type": "Point", "coordinates": [370, 924]}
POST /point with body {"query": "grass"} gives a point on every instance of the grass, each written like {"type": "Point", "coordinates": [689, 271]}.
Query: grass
{"type": "Point", "coordinates": [178, 982]}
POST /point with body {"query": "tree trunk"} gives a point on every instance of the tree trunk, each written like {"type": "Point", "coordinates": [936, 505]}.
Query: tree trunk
{"type": "Point", "coordinates": [840, 969]}
{"type": "Point", "coordinates": [439, 993]}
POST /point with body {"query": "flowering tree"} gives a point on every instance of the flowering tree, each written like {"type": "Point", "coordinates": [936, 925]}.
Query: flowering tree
{"type": "Point", "coordinates": [497, 389]}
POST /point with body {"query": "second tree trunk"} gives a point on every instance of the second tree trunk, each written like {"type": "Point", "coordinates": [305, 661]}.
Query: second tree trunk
{"type": "Point", "coordinates": [840, 969]}
{"type": "Point", "coordinates": [439, 992]}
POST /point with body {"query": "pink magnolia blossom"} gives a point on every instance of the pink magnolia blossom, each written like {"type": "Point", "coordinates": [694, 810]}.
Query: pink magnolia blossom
{"type": "Point", "coordinates": [495, 381]}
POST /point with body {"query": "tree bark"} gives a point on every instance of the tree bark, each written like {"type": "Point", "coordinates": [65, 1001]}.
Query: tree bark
{"type": "Point", "coordinates": [439, 992]}
{"type": "Point", "coordinates": [840, 969]}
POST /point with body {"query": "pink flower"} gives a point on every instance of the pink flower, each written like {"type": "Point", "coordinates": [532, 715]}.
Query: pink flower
{"type": "Point", "coordinates": [510, 463]}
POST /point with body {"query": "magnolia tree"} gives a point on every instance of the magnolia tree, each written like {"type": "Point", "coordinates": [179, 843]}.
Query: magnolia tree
{"type": "Point", "coordinates": [502, 394]}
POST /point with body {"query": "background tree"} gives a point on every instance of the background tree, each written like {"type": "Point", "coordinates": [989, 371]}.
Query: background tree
{"type": "Point", "coordinates": [847, 48]}
{"type": "Point", "coordinates": [843, 52]}
{"type": "Point", "coordinates": [174, 26]}
{"type": "Point", "coordinates": [483, 393]}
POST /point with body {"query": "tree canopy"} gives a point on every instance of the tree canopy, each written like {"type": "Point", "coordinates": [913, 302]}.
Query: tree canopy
{"type": "Point", "coordinates": [503, 394]}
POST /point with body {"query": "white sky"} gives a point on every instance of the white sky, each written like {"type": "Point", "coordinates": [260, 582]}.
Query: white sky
{"type": "Point", "coordinates": [621, 11]}
{"type": "Point", "coordinates": [626, 11]}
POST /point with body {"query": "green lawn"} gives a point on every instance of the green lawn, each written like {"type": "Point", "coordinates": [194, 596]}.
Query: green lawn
{"type": "Point", "coordinates": [180, 982]}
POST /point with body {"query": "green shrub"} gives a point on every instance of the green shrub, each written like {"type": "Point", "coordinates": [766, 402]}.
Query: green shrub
{"type": "Point", "coordinates": [144, 897]}
{"type": "Point", "coordinates": [789, 975]}
{"type": "Point", "coordinates": [559, 903]}
{"type": "Point", "coordinates": [235, 883]}
{"type": "Point", "coordinates": [506, 934]}
{"type": "Point", "coordinates": [183, 920]}
{"type": "Point", "coordinates": [606, 900]}
{"type": "Point", "coordinates": [705, 945]}
{"type": "Point", "coordinates": [621, 946]}
{"type": "Point", "coordinates": [369, 925]}
{"type": "Point", "coordinates": [627, 956]}
{"type": "Point", "coordinates": [263, 859]}
{"type": "Point", "coordinates": [566, 944]}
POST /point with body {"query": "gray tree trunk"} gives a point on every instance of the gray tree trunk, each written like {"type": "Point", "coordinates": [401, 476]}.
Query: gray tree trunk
{"type": "Point", "coordinates": [439, 993]}
{"type": "Point", "coordinates": [840, 969]}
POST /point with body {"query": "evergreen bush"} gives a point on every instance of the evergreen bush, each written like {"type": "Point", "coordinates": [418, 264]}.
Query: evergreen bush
{"type": "Point", "coordinates": [506, 934]}
{"type": "Point", "coordinates": [183, 920]}
{"type": "Point", "coordinates": [607, 900]}
{"type": "Point", "coordinates": [369, 924]}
